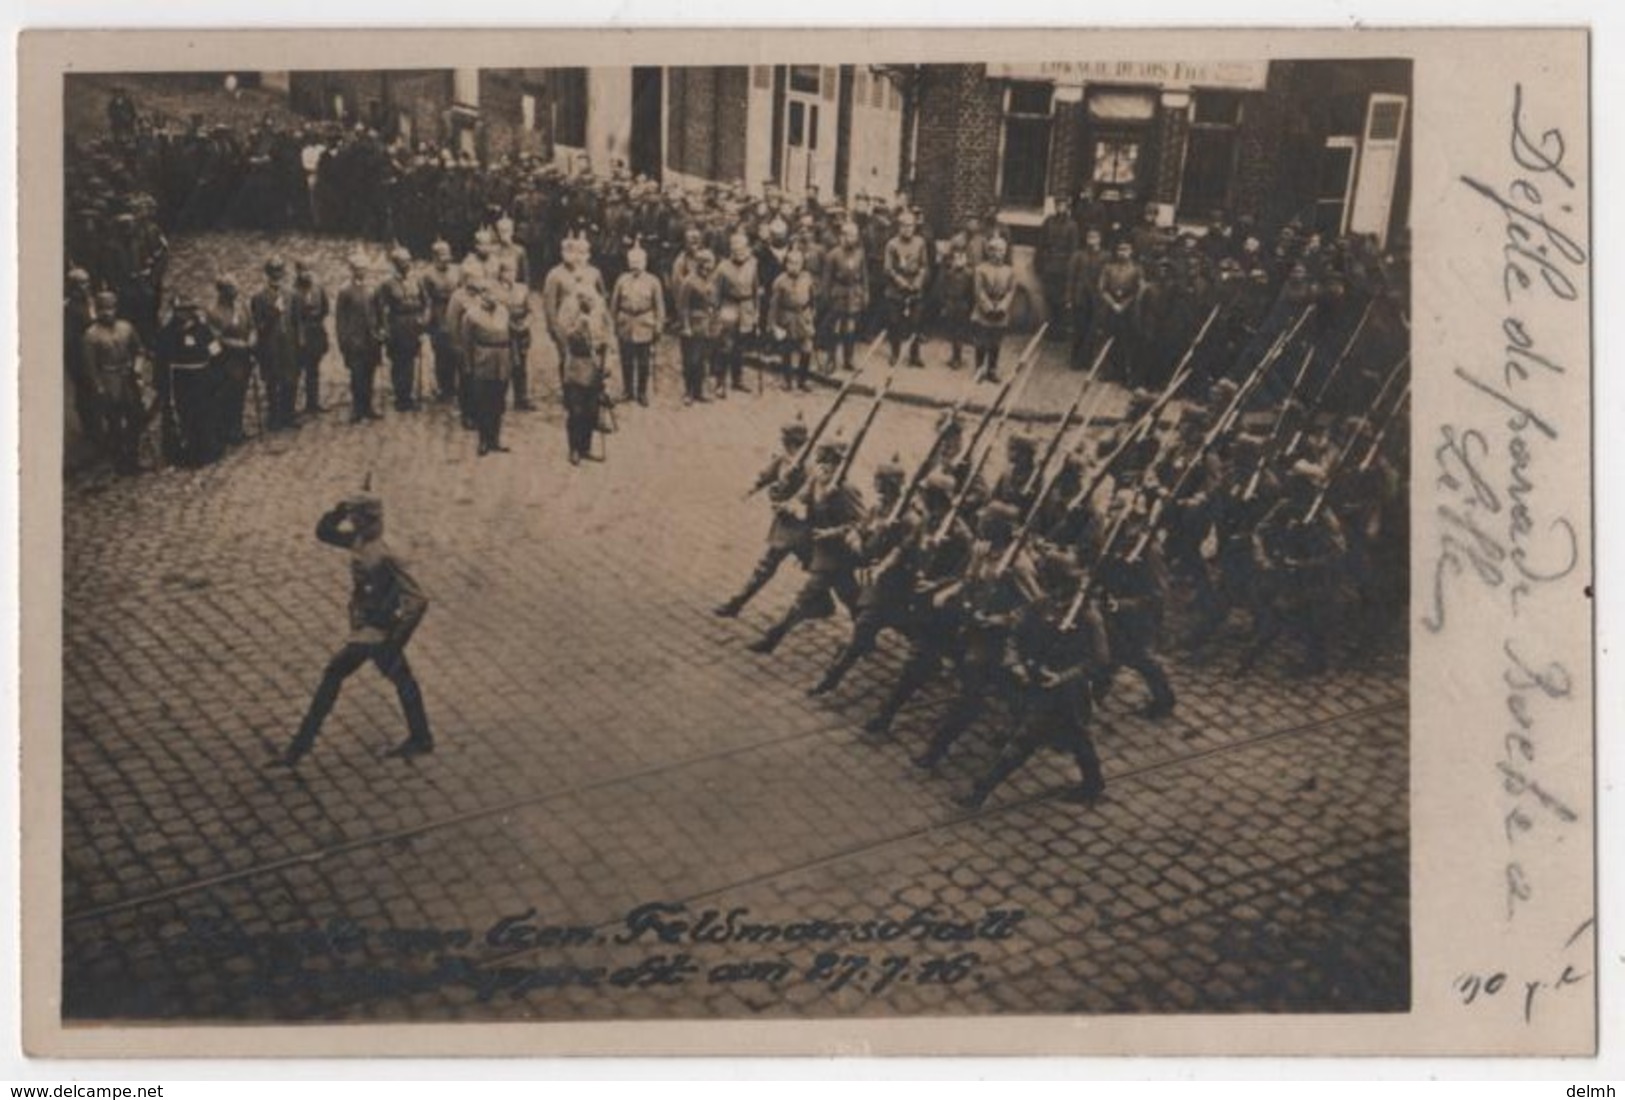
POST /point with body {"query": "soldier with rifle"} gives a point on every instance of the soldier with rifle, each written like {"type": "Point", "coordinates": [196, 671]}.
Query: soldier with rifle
{"type": "Point", "coordinates": [882, 540]}
{"type": "Point", "coordinates": [933, 559]}
{"type": "Point", "coordinates": [1296, 549]}
{"type": "Point", "coordinates": [986, 599]}
{"type": "Point", "coordinates": [1133, 590]}
{"type": "Point", "coordinates": [782, 478]}
{"type": "Point", "coordinates": [1050, 669]}
{"type": "Point", "coordinates": [830, 509]}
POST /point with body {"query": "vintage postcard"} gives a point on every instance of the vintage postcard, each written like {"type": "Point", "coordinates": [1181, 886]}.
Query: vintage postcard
{"type": "Point", "coordinates": [724, 542]}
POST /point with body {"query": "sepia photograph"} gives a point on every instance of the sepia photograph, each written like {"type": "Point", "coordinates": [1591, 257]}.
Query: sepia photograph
{"type": "Point", "coordinates": [812, 540]}
{"type": "Point", "coordinates": [807, 542]}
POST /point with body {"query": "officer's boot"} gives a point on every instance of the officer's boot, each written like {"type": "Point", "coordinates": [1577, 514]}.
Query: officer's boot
{"type": "Point", "coordinates": [914, 359]}
{"type": "Point", "coordinates": [321, 704]}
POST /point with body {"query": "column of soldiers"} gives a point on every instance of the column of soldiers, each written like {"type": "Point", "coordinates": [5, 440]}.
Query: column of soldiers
{"type": "Point", "coordinates": [1239, 488]}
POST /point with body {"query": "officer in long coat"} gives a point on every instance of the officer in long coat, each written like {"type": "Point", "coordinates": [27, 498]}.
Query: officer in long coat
{"type": "Point", "coordinates": [276, 345]}
{"type": "Point", "coordinates": [359, 328]}
{"type": "Point", "coordinates": [488, 351]}
{"type": "Point", "coordinates": [792, 319]}
{"type": "Point", "coordinates": [846, 291]}
{"type": "Point", "coordinates": [404, 305]}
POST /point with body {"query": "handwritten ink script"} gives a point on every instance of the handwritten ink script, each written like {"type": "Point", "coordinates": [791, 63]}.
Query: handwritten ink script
{"type": "Point", "coordinates": [1504, 541]}
{"type": "Point", "coordinates": [654, 944]}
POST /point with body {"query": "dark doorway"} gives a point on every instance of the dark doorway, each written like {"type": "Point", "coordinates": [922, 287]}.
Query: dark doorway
{"type": "Point", "coordinates": [647, 85]}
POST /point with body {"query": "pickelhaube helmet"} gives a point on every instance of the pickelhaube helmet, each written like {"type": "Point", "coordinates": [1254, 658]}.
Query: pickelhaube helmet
{"type": "Point", "coordinates": [891, 470]}
{"type": "Point", "coordinates": [794, 429]}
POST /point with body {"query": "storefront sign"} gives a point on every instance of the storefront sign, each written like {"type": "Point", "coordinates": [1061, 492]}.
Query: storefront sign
{"type": "Point", "coordinates": [1241, 75]}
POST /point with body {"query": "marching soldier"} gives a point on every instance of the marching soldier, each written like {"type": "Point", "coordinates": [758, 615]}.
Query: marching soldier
{"type": "Point", "coordinates": [1051, 669]}
{"type": "Point", "coordinates": [935, 557]}
{"type": "Point", "coordinates": [830, 509]}
{"type": "Point", "coordinates": [1297, 548]}
{"type": "Point", "coordinates": [386, 607]}
{"type": "Point", "coordinates": [783, 478]}
{"type": "Point", "coordinates": [404, 306]}
{"type": "Point", "coordinates": [987, 597]}
{"type": "Point", "coordinates": [1133, 587]}
{"type": "Point", "coordinates": [883, 581]}
{"type": "Point", "coordinates": [1016, 485]}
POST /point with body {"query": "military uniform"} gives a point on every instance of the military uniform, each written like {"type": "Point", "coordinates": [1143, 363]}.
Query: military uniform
{"type": "Point", "coordinates": [791, 315]}
{"type": "Point", "coordinates": [404, 305]}
{"type": "Point", "coordinates": [830, 512]}
{"type": "Point", "coordinates": [846, 296]}
{"type": "Point", "coordinates": [440, 284]}
{"type": "Point", "coordinates": [311, 306]}
{"type": "Point", "coordinates": [738, 291]}
{"type": "Point", "coordinates": [488, 351]}
{"type": "Point", "coordinates": [358, 325]}
{"type": "Point", "coordinates": [994, 291]}
{"type": "Point", "coordinates": [386, 607]}
{"type": "Point", "coordinates": [783, 478]}
{"type": "Point", "coordinates": [906, 267]}
{"type": "Point", "coordinates": [639, 310]}
{"type": "Point", "coordinates": [113, 352]}
{"type": "Point", "coordinates": [514, 295]}
{"type": "Point", "coordinates": [697, 303]}
{"type": "Point", "coordinates": [1050, 671]}
{"type": "Point", "coordinates": [276, 345]}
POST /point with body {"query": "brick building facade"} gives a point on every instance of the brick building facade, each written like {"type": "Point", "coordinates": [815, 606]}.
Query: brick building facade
{"type": "Point", "coordinates": [1325, 142]}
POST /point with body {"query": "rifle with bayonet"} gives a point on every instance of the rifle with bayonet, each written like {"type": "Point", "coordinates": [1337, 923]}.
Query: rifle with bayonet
{"type": "Point", "coordinates": [862, 432]}
{"type": "Point", "coordinates": [1066, 419]}
{"type": "Point", "coordinates": [1028, 357]}
{"type": "Point", "coordinates": [1331, 375]}
{"type": "Point", "coordinates": [804, 455]}
{"type": "Point", "coordinates": [1361, 425]}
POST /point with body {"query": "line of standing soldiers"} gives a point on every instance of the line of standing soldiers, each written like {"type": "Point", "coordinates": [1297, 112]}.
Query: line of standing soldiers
{"type": "Point", "coordinates": [1037, 586]}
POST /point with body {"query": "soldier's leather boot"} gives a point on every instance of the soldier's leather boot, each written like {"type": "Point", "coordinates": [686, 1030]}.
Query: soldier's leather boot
{"type": "Point", "coordinates": [729, 609]}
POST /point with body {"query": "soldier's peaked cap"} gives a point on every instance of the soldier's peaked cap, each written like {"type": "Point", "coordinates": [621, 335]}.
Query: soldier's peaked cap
{"type": "Point", "coordinates": [891, 470]}
{"type": "Point", "coordinates": [1021, 442]}
{"type": "Point", "coordinates": [938, 481]}
{"type": "Point", "coordinates": [998, 514]}
{"type": "Point", "coordinates": [796, 427]}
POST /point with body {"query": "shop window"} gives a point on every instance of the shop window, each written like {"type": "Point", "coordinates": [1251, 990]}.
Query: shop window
{"type": "Point", "coordinates": [1117, 161]}
{"type": "Point", "coordinates": [1024, 160]}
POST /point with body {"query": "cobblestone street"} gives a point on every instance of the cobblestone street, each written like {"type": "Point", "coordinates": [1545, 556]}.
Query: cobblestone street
{"type": "Point", "coordinates": [604, 742]}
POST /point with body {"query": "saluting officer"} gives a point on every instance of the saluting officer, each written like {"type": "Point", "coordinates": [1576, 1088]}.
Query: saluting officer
{"type": "Point", "coordinates": [386, 607]}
